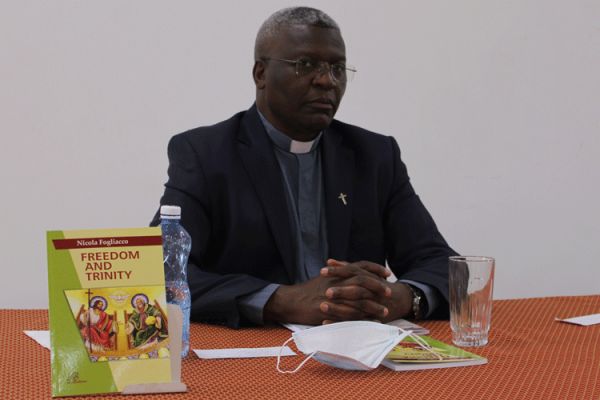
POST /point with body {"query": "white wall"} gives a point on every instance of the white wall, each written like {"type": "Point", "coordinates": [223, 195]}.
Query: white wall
{"type": "Point", "coordinates": [496, 106]}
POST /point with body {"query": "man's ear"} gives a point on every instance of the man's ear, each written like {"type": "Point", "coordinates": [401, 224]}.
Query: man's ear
{"type": "Point", "coordinates": [258, 73]}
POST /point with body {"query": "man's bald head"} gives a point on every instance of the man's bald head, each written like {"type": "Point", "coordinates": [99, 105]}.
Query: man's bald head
{"type": "Point", "coordinates": [287, 17]}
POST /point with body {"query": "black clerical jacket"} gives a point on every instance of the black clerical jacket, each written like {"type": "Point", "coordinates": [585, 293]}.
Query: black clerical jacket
{"type": "Point", "coordinates": [229, 185]}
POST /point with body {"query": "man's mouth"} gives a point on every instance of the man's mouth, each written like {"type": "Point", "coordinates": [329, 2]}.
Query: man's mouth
{"type": "Point", "coordinates": [323, 104]}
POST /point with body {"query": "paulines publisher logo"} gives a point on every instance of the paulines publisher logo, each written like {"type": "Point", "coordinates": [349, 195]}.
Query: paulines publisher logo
{"type": "Point", "coordinates": [74, 378]}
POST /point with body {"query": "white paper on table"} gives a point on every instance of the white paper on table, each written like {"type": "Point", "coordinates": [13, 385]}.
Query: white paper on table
{"type": "Point", "coordinates": [409, 326]}
{"type": "Point", "coordinates": [584, 320]}
{"type": "Point", "coordinates": [244, 352]}
{"type": "Point", "coordinates": [42, 337]}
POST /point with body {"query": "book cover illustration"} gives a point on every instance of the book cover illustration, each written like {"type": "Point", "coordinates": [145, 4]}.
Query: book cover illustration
{"type": "Point", "coordinates": [121, 323]}
{"type": "Point", "coordinates": [109, 324]}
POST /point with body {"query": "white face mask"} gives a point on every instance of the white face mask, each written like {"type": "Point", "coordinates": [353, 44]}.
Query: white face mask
{"type": "Point", "coordinates": [354, 345]}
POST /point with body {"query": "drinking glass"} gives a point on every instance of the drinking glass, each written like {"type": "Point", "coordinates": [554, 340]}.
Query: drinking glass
{"type": "Point", "coordinates": [471, 287]}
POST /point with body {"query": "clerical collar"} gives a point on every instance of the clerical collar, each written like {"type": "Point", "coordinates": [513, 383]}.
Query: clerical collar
{"type": "Point", "coordinates": [284, 142]}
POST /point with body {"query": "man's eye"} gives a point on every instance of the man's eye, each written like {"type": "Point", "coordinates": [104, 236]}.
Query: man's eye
{"type": "Point", "coordinates": [306, 63]}
{"type": "Point", "coordinates": [338, 68]}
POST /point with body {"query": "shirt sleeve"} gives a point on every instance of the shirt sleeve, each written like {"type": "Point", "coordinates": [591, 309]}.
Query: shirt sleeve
{"type": "Point", "coordinates": [431, 296]}
{"type": "Point", "coordinates": [252, 305]}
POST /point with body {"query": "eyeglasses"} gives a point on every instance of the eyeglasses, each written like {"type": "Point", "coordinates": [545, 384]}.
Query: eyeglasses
{"type": "Point", "coordinates": [339, 72]}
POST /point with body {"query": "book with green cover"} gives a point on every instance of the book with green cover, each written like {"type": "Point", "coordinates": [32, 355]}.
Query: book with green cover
{"type": "Point", "coordinates": [410, 355]}
{"type": "Point", "coordinates": [109, 324]}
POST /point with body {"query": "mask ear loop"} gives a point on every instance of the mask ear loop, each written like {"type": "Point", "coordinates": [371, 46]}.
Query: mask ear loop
{"type": "Point", "coordinates": [424, 345]}
{"type": "Point", "coordinates": [298, 367]}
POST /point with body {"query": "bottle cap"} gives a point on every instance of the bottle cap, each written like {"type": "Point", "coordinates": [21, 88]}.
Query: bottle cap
{"type": "Point", "coordinates": [170, 211]}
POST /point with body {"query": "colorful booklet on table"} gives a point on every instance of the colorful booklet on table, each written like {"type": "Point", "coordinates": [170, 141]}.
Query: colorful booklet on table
{"type": "Point", "coordinates": [408, 355]}
{"type": "Point", "coordinates": [109, 320]}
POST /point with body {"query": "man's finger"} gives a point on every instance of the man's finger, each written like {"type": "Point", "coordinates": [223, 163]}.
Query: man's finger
{"type": "Point", "coordinates": [345, 270]}
{"type": "Point", "coordinates": [373, 284]}
{"type": "Point", "coordinates": [340, 312]}
{"type": "Point", "coordinates": [373, 268]}
{"type": "Point", "coordinates": [353, 310]}
{"type": "Point", "coordinates": [332, 262]}
{"type": "Point", "coordinates": [372, 308]}
{"type": "Point", "coordinates": [352, 292]}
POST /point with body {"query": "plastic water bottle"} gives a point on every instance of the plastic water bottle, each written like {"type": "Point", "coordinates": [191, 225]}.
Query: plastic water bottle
{"type": "Point", "coordinates": [177, 244]}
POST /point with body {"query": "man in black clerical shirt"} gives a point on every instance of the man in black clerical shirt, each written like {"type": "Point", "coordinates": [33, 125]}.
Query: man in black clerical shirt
{"type": "Point", "coordinates": [293, 214]}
